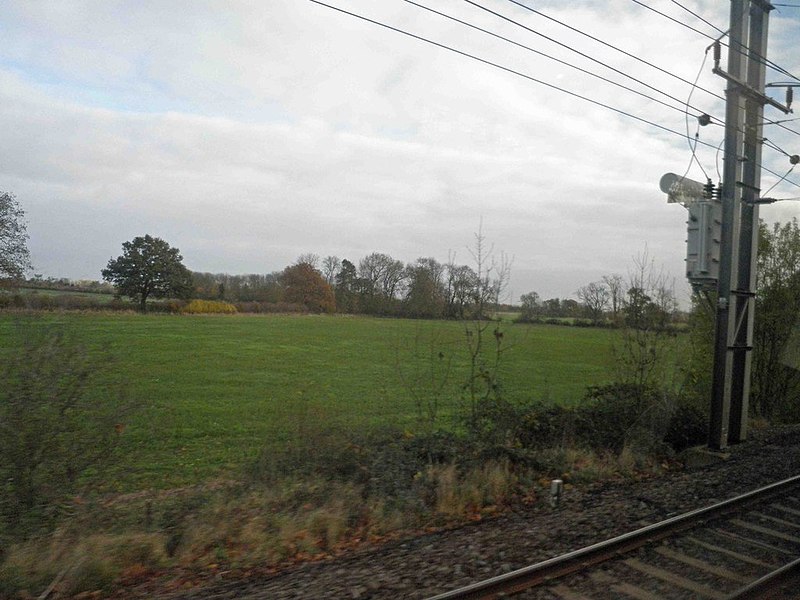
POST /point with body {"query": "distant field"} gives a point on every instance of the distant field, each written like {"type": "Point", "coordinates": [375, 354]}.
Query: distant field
{"type": "Point", "coordinates": [216, 389]}
{"type": "Point", "coordinates": [96, 296]}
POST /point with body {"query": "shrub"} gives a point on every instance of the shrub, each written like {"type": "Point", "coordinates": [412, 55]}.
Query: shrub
{"type": "Point", "coordinates": [546, 426]}
{"type": "Point", "coordinates": [208, 307]}
{"type": "Point", "coordinates": [687, 427]}
{"type": "Point", "coordinates": [162, 306]}
{"type": "Point", "coordinates": [270, 307]}
{"type": "Point", "coordinates": [618, 414]}
{"type": "Point", "coordinates": [56, 424]}
{"type": "Point", "coordinates": [35, 301]}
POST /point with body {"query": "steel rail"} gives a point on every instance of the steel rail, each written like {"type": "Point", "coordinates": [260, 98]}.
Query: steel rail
{"type": "Point", "coordinates": [771, 581]}
{"type": "Point", "coordinates": [578, 560]}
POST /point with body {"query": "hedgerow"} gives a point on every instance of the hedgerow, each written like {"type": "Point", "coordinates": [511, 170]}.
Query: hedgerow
{"type": "Point", "coordinates": [208, 307]}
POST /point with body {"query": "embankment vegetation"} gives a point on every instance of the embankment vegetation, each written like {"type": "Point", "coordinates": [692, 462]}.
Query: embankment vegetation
{"type": "Point", "coordinates": [266, 439]}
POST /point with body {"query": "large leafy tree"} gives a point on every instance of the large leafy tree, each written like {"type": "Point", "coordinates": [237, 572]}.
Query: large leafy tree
{"type": "Point", "coordinates": [303, 284]}
{"type": "Point", "coordinates": [149, 267]}
{"type": "Point", "coordinates": [346, 287]}
{"type": "Point", "coordinates": [14, 256]}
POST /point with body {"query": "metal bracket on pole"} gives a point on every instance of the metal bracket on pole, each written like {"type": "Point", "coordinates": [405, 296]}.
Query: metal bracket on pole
{"type": "Point", "coordinates": [751, 92]}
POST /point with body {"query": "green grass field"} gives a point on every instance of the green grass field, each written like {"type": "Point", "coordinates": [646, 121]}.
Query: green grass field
{"type": "Point", "coordinates": [96, 296]}
{"type": "Point", "coordinates": [214, 390]}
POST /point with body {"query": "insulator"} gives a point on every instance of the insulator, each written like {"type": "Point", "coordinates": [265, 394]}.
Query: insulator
{"type": "Point", "coordinates": [708, 190]}
{"type": "Point", "coordinates": [789, 96]}
{"type": "Point", "coordinates": [717, 53]}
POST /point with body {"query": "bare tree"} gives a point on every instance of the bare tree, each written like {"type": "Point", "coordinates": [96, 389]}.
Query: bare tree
{"type": "Point", "coordinates": [331, 265]}
{"type": "Point", "coordinates": [425, 371]}
{"type": "Point", "coordinates": [381, 278]}
{"type": "Point", "coordinates": [647, 342]}
{"type": "Point", "coordinates": [616, 291]}
{"type": "Point", "coordinates": [381, 274]}
{"type": "Point", "coordinates": [308, 258]}
{"type": "Point", "coordinates": [491, 279]}
{"type": "Point", "coordinates": [493, 274]}
{"type": "Point", "coordinates": [461, 281]}
{"type": "Point", "coordinates": [595, 297]}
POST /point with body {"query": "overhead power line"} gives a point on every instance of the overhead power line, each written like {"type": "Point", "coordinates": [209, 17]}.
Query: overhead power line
{"type": "Point", "coordinates": [566, 63]}
{"type": "Point", "coordinates": [506, 69]}
{"type": "Point", "coordinates": [742, 49]}
{"type": "Point", "coordinates": [694, 14]}
{"type": "Point", "coordinates": [520, 74]}
{"type": "Point", "coordinates": [781, 125]}
{"type": "Point", "coordinates": [693, 140]}
{"type": "Point", "coordinates": [612, 46]}
{"type": "Point", "coordinates": [674, 20]}
{"type": "Point", "coordinates": [774, 146]}
{"type": "Point", "coordinates": [694, 85]}
{"type": "Point", "coordinates": [785, 175]}
{"type": "Point", "coordinates": [782, 177]}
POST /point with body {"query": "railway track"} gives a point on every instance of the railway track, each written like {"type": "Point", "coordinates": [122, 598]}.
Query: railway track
{"type": "Point", "coordinates": [746, 547]}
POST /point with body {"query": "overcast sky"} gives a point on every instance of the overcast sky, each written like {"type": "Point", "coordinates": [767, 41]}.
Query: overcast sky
{"type": "Point", "coordinates": [248, 133]}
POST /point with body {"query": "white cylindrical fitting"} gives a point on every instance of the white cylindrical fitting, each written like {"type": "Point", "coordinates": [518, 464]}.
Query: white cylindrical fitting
{"type": "Point", "coordinates": [556, 491]}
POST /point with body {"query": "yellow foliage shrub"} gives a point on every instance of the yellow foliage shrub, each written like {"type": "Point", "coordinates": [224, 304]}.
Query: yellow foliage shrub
{"type": "Point", "coordinates": [196, 307]}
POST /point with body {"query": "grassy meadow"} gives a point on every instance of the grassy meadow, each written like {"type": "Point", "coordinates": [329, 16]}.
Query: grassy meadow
{"type": "Point", "coordinates": [213, 391]}
{"type": "Point", "coordinates": [101, 297]}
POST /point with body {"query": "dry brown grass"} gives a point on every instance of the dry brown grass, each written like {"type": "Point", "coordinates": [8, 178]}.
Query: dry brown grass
{"type": "Point", "coordinates": [460, 495]}
{"type": "Point", "coordinates": [239, 527]}
{"type": "Point", "coordinates": [73, 565]}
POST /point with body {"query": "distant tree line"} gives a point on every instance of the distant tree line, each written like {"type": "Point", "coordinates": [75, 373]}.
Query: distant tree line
{"type": "Point", "coordinates": [88, 286]}
{"type": "Point", "coordinates": [377, 284]}
{"type": "Point", "coordinates": [612, 301]}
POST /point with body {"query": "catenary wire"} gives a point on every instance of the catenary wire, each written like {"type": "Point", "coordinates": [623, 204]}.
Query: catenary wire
{"type": "Point", "coordinates": [563, 62]}
{"type": "Point", "coordinates": [782, 177]}
{"type": "Point", "coordinates": [774, 146]}
{"type": "Point", "coordinates": [674, 20]}
{"type": "Point", "coordinates": [780, 180]}
{"type": "Point", "coordinates": [766, 122]}
{"type": "Point", "coordinates": [631, 55]}
{"type": "Point", "coordinates": [782, 126]}
{"type": "Point", "coordinates": [519, 74]}
{"type": "Point", "coordinates": [503, 68]}
{"type": "Point", "coordinates": [694, 14]}
{"type": "Point", "coordinates": [598, 40]}
{"type": "Point", "coordinates": [694, 85]}
{"type": "Point", "coordinates": [742, 49]}
{"type": "Point", "coordinates": [558, 60]}
{"type": "Point", "coordinates": [691, 140]}
{"type": "Point", "coordinates": [771, 122]}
